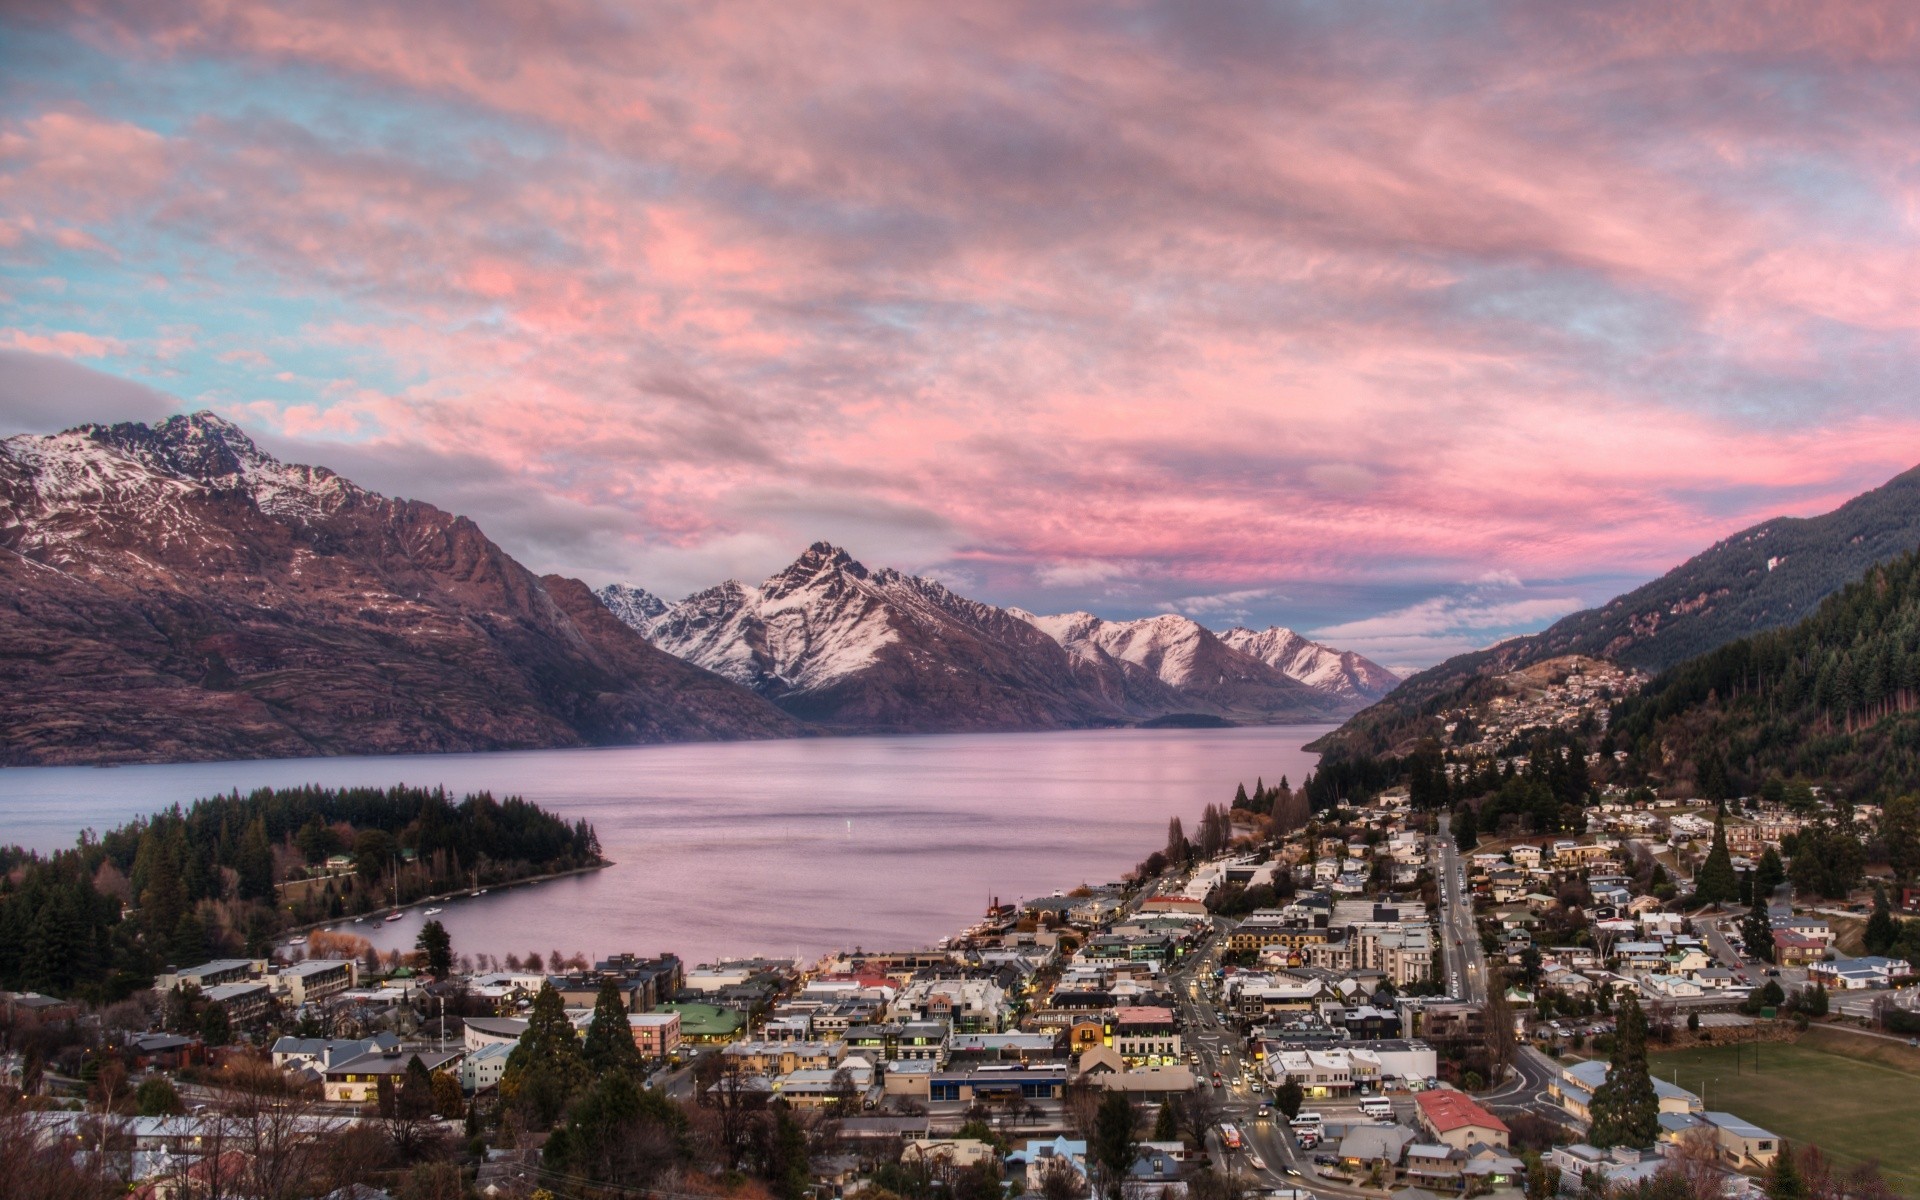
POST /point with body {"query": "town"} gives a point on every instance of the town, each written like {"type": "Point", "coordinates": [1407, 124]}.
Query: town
{"type": "Point", "coordinates": [1373, 1002]}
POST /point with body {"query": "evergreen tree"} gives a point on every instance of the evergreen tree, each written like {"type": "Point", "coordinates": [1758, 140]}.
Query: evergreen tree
{"type": "Point", "coordinates": [1112, 1148]}
{"type": "Point", "coordinates": [546, 1066]}
{"type": "Point", "coordinates": [1716, 883]}
{"type": "Point", "coordinates": [1288, 1097]}
{"type": "Point", "coordinates": [1466, 829]}
{"type": "Point", "coordinates": [255, 863]}
{"type": "Point", "coordinates": [1783, 1180]}
{"type": "Point", "coordinates": [609, 1036]}
{"type": "Point", "coordinates": [437, 945]}
{"type": "Point", "coordinates": [1756, 928]}
{"type": "Point", "coordinates": [1166, 1126]}
{"type": "Point", "coordinates": [215, 1029]}
{"type": "Point", "coordinates": [1625, 1110]}
{"type": "Point", "coordinates": [1769, 875]}
{"type": "Point", "coordinates": [1881, 931]}
{"type": "Point", "coordinates": [415, 1100]}
{"type": "Point", "coordinates": [789, 1171]}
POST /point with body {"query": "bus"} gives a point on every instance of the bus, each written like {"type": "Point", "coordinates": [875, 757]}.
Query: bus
{"type": "Point", "coordinates": [1230, 1135]}
{"type": "Point", "coordinates": [1377, 1107]}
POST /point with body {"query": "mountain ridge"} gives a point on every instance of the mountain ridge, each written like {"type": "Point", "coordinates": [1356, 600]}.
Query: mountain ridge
{"type": "Point", "coordinates": [1767, 576]}
{"type": "Point", "coordinates": [851, 647]}
{"type": "Point", "coordinates": [174, 593]}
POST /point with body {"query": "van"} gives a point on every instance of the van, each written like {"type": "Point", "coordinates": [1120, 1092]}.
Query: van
{"type": "Point", "coordinates": [1307, 1120]}
{"type": "Point", "coordinates": [1378, 1108]}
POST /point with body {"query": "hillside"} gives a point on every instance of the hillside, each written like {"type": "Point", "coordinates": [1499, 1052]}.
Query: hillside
{"type": "Point", "coordinates": [1835, 698]}
{"type": "Point", "coordinates": [1765, 577]}
{"type": "Point", "coordinates": [174, 593]}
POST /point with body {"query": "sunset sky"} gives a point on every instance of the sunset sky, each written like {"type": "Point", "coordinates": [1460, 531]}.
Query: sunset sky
{"type": "Point", "coordinates": [1408, 325]}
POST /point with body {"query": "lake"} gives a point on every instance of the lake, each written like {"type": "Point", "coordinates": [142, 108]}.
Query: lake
{"type": "Point", "coordinates": [781, 848]}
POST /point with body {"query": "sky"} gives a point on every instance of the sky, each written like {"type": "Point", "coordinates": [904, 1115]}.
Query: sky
{"type": "Point", "coordinates": [1412, 326]}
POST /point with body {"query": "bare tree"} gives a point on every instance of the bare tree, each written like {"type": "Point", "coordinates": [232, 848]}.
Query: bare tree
{"type": "Point", "coordinates": [1058, 1179]}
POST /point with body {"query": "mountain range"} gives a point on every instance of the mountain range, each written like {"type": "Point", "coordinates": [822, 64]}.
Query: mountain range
{"type": "Point", "coordinates": [847, 647]}
{"type": "Point", "coordinates": [1769, 576]}
{"type": "Point", "coordinates": [172, 592]}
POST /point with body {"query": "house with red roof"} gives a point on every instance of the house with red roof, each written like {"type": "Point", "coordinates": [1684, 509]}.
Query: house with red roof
{"type": "Point", "coordinates": [1452, 1119]}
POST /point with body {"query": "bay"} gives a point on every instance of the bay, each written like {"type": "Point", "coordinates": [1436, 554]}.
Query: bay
{"type": "Point", "coordinates": [781, 848]}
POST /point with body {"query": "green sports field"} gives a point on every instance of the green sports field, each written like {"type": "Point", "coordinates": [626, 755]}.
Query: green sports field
{"type": "Point", "coordinates": [1856, 1098]}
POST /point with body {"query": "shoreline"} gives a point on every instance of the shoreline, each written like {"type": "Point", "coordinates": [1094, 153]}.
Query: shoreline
{"type": "Point", "coordinates": [331, 924]}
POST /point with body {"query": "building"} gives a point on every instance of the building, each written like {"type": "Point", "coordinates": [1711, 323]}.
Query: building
{"type": "Point", "coordinates": [492, 1031]}
{"type": "Point", "coordinates": [1146, 1035]}
{"type": "Point", "coordinates": [317, 1054]}
{"type": "Point", "coordinates": [655, 1034]}
{"type": "Point", "coordinates": [316, 979]}
{"type": "Point", "coordinates": [1452, 1119]}
{"type": "Point", "coordinates": [1036, 1158]}
{"type": "Point", "coordinates": [1274, 927]}
{"type": "Point", "coordinates": [483, 1068]}
{"type": "Point", "coordinates": [784, 1058]}
{"type": "Point", "coordinates": [1573, 1090]}
{"type": "Point", "coordinates": [206, 975]}
{"type": "Point", "coordinates": [1744, 1144]}
{"type": "Point", "coordinates": [243, 1002]}
{"type": "Point", "coordinates": [1854, 974]}
{"type": "Point", "coordinates": [989, 1085]}
{"type": "Point", "coordinates": [357, 1080]}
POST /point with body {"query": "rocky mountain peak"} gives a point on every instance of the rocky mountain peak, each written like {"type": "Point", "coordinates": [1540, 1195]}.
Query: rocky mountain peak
{"type": "Point", "coordinates": [202, 445]}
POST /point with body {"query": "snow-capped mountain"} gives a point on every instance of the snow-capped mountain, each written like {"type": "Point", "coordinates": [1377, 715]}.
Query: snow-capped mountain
{"type": "Point", "coordinates": [1340, 673]}
{"type": "Point", "coordinates": [176, 593]}
{"type": "Point", "coordinates": [834, 642]}
{"type": "Point", "coordinates": [634, 606]}
{"type": "Point", "coordinates": [1186, 656]}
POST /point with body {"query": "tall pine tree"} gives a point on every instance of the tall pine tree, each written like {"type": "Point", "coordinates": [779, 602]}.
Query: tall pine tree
{"type": "Point", "coordinates": [1881, 931]}
{"type": "Point", "coordinates": [1756, 928]}
{"type": "Point", "coordinates": [610, 1044]}
{"type": "Point", "coordinates": [1466, 828]}
{"type": "Point", "coordinates": [1625, 1110]}
{"type": "Point", "coordinates": [1716, 883]}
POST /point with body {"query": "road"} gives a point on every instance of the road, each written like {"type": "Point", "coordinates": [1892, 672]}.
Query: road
{"type": "Point", "coordinates": [1466, 961]}
{"type": "Point", "coordinates": [1269, 1157]}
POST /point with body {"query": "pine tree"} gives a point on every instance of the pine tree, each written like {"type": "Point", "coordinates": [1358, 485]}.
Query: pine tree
{"type": "Point", "coordinates": [1625, 1110]}
{"type": "Point", "coordinates": [609, 1036]}
{"type": "Point", "coordinates": [437, 945]}
{"type": "Point", "coordinates": [1716, 882]}
{"type": "Point", "coordinates": [1756, 928]}
{"type": "Point", "coordinates": [1769, 875]}
{"type": "Point", "coordinates": [546, 1067]}
{"type": "Point", "coordinates": [1783, 1177]}
{"type": "Point", "coordinates": [255, 863]}
{"type": "Point", "coordinates": [1881, 931]}
{"type": "Point", "coordinates": [1466, 829]}
{"type": "Point", "coordinates": [1112, 1147]}
{"type": "Point", "coordinates": [1166, 1126]}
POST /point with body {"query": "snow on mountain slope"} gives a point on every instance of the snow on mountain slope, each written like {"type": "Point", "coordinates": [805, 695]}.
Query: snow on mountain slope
{"type": "Point", "coordinates": [833, 641]}
{"type": "Point", "coordinates": [634, 606]}
{"type": "Point", "coordinates": [1186, 657]}
{"type": "Point", "coordinates": [1336, 672]}
{"type": "Point", "coordinates": [176, 593]}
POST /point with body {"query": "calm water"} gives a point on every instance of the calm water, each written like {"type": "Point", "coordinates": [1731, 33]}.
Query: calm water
{"type": "Point", "coordinates": [777, 848]}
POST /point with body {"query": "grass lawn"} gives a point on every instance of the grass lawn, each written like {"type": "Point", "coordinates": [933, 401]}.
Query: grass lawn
{"type": "Point", "coordinates": [1854, 1097]}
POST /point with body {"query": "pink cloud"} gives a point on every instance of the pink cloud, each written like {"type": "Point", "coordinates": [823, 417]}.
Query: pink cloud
{"type": "Point", "coordinates": [1226, 301]}
{"type": "Point", "coordinates": [66, 343]}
